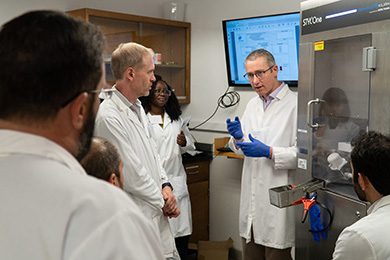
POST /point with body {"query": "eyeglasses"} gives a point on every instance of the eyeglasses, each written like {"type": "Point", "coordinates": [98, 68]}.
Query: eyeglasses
{"type": "Point", "coordinates": [259, 74]}
{"type": "Point", "coordinates": [104, 93]}
{"type": "Point", "coordinates": [159, 91]}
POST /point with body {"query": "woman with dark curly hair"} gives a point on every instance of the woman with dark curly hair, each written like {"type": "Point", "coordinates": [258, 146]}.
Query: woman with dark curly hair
{"type": "Point", "coordinates": [163, 111]}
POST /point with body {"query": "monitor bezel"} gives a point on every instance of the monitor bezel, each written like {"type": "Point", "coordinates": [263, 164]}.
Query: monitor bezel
{"type": "Point", "coordinates": [291, 83]}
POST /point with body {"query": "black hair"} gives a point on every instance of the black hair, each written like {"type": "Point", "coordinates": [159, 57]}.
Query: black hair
{"type": "Point", "coordinates": [371, 157]}
{"type": "Point", "coordinates": [172, 106]}
{"type": "Point", "coordinates": [102, 160]}
{"type": "Point", "coordinates": [46, 59]}
{"type": "Point", "coordinates": [336, 96]}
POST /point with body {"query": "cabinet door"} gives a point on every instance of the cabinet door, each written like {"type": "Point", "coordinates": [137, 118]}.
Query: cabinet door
{"type": "Point", "coordinates": [199, 195]}
{"type": "Point", "coordinates": [197, 172]}
{"type": "Point", "coordinates": [169, 38]}
{"type": "Point", "coordinates": [116, 32]}
{"type": "Point", "coordinates": [170, 42]}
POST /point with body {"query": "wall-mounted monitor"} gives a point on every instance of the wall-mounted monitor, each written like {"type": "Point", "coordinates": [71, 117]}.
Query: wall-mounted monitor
{"type": "Point", "coordinates": [279, 34]}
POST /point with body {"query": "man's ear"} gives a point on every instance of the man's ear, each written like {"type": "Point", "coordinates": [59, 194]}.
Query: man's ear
{"type": "Point", "coordinates": [79, 110]}
{"type": "Point", "coordinates": [363, 181]}
{"type": "Point", "coordinates": [113, 180]}
{"type": "Point", "coordinates": [129, 73]}
{"type": "Point", "coordinates": [275, 68]}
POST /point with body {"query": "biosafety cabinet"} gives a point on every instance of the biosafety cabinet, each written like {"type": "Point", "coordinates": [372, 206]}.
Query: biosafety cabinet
{"type": "Point", "coordinates": [344, 90]}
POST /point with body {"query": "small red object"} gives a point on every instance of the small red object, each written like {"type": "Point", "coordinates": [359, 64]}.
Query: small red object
{"type": "Point", "coordinates": [307, 204]}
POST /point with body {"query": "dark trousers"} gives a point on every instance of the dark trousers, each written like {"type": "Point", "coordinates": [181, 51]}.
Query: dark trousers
{"type": "Point", "coordinates": [182, 246]}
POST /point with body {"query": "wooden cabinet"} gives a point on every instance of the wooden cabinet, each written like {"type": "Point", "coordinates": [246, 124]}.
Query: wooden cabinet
{"type": "Point", "coordinates": [169, 38]}
{"type": "Point", "coordinates": [198, 187]}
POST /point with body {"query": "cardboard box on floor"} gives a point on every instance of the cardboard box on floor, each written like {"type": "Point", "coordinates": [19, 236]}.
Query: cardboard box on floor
{"type": "Point", "coordinates": [214, 250]}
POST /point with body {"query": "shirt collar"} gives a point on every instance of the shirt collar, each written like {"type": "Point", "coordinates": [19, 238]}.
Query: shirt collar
{"type": "Point", "coordinates": [384, 201]}
{"type": "Point", "coordinates": [125, 101]}
{"type": "Point", "coordinates": [122, 98]}
{"type": "Point", "coordinates": [15, 142]}
{"type": "Point", "coordinates": [274, 93]}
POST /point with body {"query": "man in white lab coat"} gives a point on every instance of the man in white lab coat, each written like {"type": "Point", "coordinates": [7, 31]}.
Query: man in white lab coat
{"type": "Point", "coordinates": [266, 135]}
{"type": "Point", "coordinates": [122, 120]}
{"type": "Point", "coordinates": [51, 71]}
{"type": "Point", "coordinates": [171, 134]}
{"type": "Point", "coordinates": [369, 237]}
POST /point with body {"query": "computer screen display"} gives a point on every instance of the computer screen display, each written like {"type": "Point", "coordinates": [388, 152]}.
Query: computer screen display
{"type": "Point", "coordinates": [279, 34]}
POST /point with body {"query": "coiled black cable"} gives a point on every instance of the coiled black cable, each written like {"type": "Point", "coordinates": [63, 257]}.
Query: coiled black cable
{"type": "Point", "coordinates": [228, 99]}
{"type": "Point", "coordinates": [232, 97]}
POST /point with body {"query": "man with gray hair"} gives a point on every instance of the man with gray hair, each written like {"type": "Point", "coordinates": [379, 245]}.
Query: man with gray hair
{"type": "Point", "coordinates": [122, 120]}
{"type": "Point", "coordinates": [266, 137]}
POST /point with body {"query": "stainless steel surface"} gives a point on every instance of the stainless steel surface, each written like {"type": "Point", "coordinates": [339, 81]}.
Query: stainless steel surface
{"type": "Point", "coordinates": [305, 93]}
{"type": "Point", "coordinates": [281, 196]}
{"type": "Point", "coordinates": [344, 214]}
{"type": "Point", "coordinates": [380, 82]}
{"type": "Point", "coordinates": [284, 196]}
{"type": "Point", "coordinates": [339, 65]}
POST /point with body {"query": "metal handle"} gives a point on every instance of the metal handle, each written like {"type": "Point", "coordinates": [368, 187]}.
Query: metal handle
{"type": "Point", "coordinates": [193, 172]}
{"type": "Point", "coordinates": [192, 167]}
{"type": "Point", "coordinates": [308, 116]}
{"type": "Point", "coordinates": [369, 59]}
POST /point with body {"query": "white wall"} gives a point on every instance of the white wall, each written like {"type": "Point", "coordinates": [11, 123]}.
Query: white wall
{"type": "Point", "coordinates": [208, 66]}
{"type": "Point", "coordinates": [208, 80]}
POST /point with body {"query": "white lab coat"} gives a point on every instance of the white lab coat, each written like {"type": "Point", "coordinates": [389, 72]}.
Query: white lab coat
{"type": "Point", "coordinates": [276, 127]}
{"type": "Point", "coordinates": [50, 208]}
{"type": "Point", "coordinates": [142, 168]}
{"type": "Point", "coordinates": [369, 237]}
{"type": "Point", "coordinates": [170, 155]}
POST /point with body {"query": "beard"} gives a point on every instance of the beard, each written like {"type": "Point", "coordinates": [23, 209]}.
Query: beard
{"type": "Point", "coordinates": [86, 134]}
{"type": "Point", "coordinates": [120, 183]}
{"type": "Point", "coordinates": [360, 193]}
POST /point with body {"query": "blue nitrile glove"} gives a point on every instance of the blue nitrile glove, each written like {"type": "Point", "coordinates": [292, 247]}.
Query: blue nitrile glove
{"type": "Point", "coordinates": [315, 223]}
{"type": "Point", "coordinates": [234, 128]}
{"type": "Point", "coordinates": [254, 148]}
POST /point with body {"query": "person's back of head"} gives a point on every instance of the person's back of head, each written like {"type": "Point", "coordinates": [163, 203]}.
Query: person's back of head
{"type": "Point", "coordinates": [371, 157]}
{"type": "Point", "coordinates": [46, 59]}
{"type": "Point", "coordinates": [103, 161]}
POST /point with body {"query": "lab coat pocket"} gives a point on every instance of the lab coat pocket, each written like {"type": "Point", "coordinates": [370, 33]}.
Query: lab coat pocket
{"type": "Point", "coordinates": [179, 187]}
